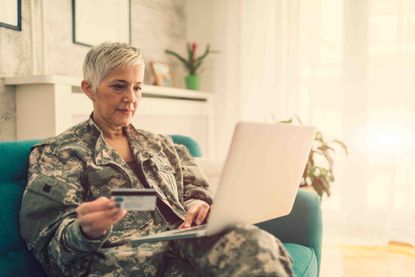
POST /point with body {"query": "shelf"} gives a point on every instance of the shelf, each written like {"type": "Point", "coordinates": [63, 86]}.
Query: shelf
{"type": "Point", "coordinates": [74, 82]}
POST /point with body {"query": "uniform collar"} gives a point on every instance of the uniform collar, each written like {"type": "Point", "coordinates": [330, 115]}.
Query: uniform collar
{"type": "Point", "coordinates": [143, 144]}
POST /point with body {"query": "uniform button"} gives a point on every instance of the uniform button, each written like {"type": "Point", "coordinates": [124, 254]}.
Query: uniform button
{"type": "Point", "coordinates": [11, 255]}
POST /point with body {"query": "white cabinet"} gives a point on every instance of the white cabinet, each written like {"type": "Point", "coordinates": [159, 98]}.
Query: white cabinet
{"type": "Point", "coordinates": [46, 105]}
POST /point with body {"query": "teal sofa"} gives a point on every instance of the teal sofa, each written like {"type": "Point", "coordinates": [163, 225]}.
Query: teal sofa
{"type": "Point", "coordinates": [300, 231]}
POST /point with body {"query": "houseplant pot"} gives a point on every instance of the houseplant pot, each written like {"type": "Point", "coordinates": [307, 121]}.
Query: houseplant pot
{"type": "Point", "coordinates": [192, 82]}
{"type": "Point", "coordinates": [192, 63]}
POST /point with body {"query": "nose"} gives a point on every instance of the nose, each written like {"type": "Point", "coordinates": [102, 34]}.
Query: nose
{"type": "Point", "coordinates": [130, 95]}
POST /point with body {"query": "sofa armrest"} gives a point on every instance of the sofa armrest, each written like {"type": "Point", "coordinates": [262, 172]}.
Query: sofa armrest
{"type": "Point", "coordinates": [302, 226]}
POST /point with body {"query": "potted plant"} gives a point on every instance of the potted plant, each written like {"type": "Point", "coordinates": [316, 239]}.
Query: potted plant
{"type": "Point", "coordinates": [318, 172]}
{"type": "Point", "coordinates": [192, 63]}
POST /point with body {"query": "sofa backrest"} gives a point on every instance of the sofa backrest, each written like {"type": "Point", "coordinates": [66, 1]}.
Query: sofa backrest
{"type": "Point", "coordinates": [15, 259]}
{"type": "Point", "coordinates": [190, 143]}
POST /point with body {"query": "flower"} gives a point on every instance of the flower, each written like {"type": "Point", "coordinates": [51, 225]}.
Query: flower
{"type": "Point", "coordinates": [192, 63]}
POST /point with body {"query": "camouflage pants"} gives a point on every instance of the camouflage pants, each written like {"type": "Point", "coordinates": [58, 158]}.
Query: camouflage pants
{"type": "Point", "coordinates": [244, 250]}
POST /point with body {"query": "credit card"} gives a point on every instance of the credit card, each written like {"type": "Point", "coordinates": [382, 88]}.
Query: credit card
{"type": "Point", "coordinates": [135, 199]}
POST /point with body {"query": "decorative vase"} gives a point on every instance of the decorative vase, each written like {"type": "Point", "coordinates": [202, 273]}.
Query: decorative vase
{"type": "Point", "coordinates": [192, 82]}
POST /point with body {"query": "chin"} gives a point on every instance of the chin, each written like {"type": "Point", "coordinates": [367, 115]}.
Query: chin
{"type": "Point", "coordinates": [123, 122]}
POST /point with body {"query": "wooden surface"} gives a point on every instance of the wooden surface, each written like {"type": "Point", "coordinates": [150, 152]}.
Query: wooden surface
{"type": "Point", "coordinates": [347, 260]}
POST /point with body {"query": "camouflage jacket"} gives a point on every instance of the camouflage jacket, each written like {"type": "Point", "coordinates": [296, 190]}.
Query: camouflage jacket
{"type": "Point", "coordinates": [78, 166]}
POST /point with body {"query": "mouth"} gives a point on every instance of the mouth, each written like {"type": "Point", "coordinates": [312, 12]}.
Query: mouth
{"type": "Point", "coordinates": [125, 111]}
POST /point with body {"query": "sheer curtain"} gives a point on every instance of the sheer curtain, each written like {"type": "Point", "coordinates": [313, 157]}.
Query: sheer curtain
{"type": "Point", "coordinates": [358, 70]}
{"type": "Point", "coordinates": [347, 67]}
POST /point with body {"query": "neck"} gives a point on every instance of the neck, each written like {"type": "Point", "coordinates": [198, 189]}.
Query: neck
{"type": "Point", "coordinates": [109, 131]}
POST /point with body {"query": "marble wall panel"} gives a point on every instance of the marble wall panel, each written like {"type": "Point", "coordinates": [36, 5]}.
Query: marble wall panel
{"type": "Point", "coordinates": [15, 59]}
{"type": "Point", "coordinates": [158, 25]}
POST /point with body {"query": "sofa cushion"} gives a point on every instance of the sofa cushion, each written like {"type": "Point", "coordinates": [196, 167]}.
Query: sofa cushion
{"type": "Point", "coordinates": [10, 195]}
{"type": "Point", "coordinates": [304, 260]}
{"type": "Point", "coordinates": [15, 260]}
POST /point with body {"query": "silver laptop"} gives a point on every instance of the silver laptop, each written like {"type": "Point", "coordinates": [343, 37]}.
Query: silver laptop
{"type": "Point", "coordinates": [259, 181]}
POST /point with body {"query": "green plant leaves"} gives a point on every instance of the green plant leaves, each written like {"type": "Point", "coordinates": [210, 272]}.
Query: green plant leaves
{"type": "Point", "coordinates": [319, 168]}
{"type": "Point", "coordinates": [185, 63]}
{"type": "Point", "coordinates": [192, 64]}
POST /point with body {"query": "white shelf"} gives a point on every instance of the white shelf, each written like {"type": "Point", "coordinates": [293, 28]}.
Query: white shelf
{"type": "Point", "coordinates": [46, 105]}
{"type": "Point", "coordinates": [76, 81]}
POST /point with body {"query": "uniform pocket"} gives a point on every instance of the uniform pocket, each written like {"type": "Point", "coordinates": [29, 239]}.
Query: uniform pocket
{"type": "Point", "coordinates": [164, 177]}
{"type": "Point", "coordinates": [103, 179]}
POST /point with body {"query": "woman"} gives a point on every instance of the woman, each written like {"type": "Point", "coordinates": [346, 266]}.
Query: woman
{"type": "Point", "coordinates": [73, 227]}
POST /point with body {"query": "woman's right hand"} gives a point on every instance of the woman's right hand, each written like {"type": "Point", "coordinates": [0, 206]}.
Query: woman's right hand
{"type": "Point", "coordinates": [96, 217]}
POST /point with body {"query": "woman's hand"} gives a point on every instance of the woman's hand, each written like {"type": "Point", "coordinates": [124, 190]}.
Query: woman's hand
{"type": "Point", "coordinates": [197, 214]}
{"type": "Point", "coordinates": [96, 217]}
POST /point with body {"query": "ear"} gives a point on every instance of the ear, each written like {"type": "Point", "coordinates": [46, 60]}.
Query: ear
{"type": "Point", "coordinates": [87, 88]}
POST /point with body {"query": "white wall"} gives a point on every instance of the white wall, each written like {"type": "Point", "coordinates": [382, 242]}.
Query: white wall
{"type": "Point", "coordinates": [200, 29]}
{"type": "Point", "coordinates": [218, 22]}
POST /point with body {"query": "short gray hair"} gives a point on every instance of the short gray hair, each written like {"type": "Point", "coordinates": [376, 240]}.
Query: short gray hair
{"type": "Point", "coordinates": [104, 57]}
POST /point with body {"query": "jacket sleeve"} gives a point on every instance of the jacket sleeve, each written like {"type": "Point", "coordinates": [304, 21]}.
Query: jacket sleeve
{"type": "Point", "coordinates": [48, 219]}
{"type": "Point", "coordinates": [195, 185]}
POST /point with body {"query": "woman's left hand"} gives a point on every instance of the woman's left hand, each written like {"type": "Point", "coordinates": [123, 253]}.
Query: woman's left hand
{"type": "Point", "coordinates": [197, 214]}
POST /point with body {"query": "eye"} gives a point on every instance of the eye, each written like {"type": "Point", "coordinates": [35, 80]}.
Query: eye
{"type": "Point", "coordinates": [138, 89]}
{"type": "Point", "coordinates": [118, 87]}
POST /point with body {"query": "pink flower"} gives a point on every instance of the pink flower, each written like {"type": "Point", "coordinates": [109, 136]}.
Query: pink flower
{"type": "Point", "coordinates": [194, 47]}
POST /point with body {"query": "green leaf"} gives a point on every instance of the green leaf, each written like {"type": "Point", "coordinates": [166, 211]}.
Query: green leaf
{"type": "Point", "coordinates": [298, 119]}
{"type": "Point", "coordinates": [324, 147]}
{"type": "Point", "coordinates": [186, 64]}
{"type": "Point", "coordinates": [343, 145]}
{"type": "Point", "coordinates": [192, 65]}
{"type": "Point", "coordinates": [286, 121]}
{"type": "Point", "coordinates": [329, 159]}
{"type": "Point", "coordinates": [319, 168]}
{"type": "Point", "coordinates": [197, 65]}
{"type": "Point", "coordinates": [204, 55]}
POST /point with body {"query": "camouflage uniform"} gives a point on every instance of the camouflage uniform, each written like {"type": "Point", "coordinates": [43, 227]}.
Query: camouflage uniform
{"type": "Point", "coordinates": [78, 166]}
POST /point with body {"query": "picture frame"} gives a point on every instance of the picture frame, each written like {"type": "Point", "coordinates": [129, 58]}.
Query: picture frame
{"type": "Point", "coordinates": [111, 23]}
{"type": "Point", "coordinates": [162, 74]}
{"type": "Point", "coordinates": [11, 14]}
